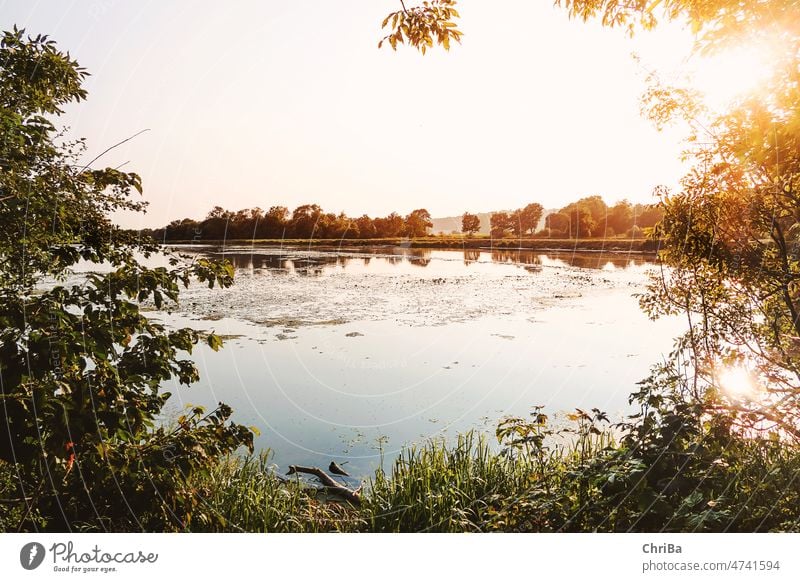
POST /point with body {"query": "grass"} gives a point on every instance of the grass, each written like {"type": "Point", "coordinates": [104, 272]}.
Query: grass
{"type": "Point", "coordinates": [250, 497]}
{"type": "Point", "coordinates": [589, 483]}
{"type": "Point", "coordinates": [588, 479]}
{"type": "Point", "coordinates": [438, 488]}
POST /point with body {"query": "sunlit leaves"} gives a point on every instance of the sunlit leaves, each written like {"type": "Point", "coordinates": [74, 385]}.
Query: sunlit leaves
{"type": "Point", "coordinates": [422, 26]}
{"type": "Point", "coordinates": [82, 366]}
{"type": "Point", "coordinates": [714, 22]}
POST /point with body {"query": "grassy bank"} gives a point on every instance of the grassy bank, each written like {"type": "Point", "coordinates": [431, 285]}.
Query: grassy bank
{"type": "Point", "coordinates": [711, 483]}
{"type": "Point", "coordinates": [693, 476]}
{"type": "Point", "coordinates": [646, 246]}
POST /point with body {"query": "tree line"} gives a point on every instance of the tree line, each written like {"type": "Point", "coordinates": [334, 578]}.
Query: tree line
{"type": "Point", "coordinates": [304, 222]}
{"type": "Point", "coordinates": [587, 217]}
{"type": "Point", "coordinates": [592, 217]}
{"type": "Point", "coordinates": [584, 218]}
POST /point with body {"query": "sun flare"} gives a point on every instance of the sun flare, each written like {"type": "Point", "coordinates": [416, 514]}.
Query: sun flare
{"type": "Point", "coordinates": [737, 382]}
{"type": "Point", "coordinates": [733, 74]}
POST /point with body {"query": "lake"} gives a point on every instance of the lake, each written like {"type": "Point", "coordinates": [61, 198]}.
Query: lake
{"type": "Point", "coordinates": [344, 353]}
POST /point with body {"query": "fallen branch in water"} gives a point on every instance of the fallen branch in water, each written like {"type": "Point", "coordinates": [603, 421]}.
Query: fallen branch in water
{"type": "Point", "coordinates": [328, 482]}
{"type": "Point", "coordinates": [337, 470]}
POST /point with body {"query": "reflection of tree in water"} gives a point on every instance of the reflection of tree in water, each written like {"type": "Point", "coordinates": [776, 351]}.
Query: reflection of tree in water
{"type": "Point", "coordinates": [518, 257]}
{"type": "Point", "coordinates": [315, 265]}
{"type": "Point", "coordinates": [419, 257]}
{"type": "Point", "coordinates": [595, 260]}
{"type": "Point", "coordinates": [281, 264]}
{"type": "Point", "coordinates": [471, 256]}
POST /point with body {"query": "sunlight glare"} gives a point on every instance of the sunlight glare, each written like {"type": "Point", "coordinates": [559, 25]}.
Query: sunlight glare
{"type": "Point", "coordinates": [737, 382]}
{"type": "Point", "coordinates": [733, 74]}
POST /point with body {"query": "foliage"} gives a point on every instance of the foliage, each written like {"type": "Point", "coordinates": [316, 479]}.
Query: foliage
{"type": "Point", "coordinates": [526, 219]}
{"type": "Point", "coordinates": [591, 217]}
{"type": "Point", "coordinates": [730, 240]}
{"type": "Point", "coordinates": [421, 26]}
{"type": "Point", "coordinates": [436, 488]}
{"type": "Point", "coordinates": [668, 468]}
{"type": "Point", "coordinates": [716, 22]}
{"type": "Point", "coordinates": [500, 224]}
{"type": "Point", "coordinates": [310, 221]}
{"type": "Point", "coordinates": [470, 224]}
{"type": "Point", "coordinates": [247, 495]}
{"type": "Point", "coordinates": [418, 222]}
{"type": "Point", "coordinates": [81, 367]}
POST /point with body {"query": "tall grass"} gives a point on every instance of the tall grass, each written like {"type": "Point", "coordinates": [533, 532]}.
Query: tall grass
{"type": "Point", "coordinates": [587, 483]}
{"type": "Point", "coordinates": [708, 481]}
{"type": "Point", "coordinates": [434, 487]}
{"type": "Point", "coordinates": [249, 496]}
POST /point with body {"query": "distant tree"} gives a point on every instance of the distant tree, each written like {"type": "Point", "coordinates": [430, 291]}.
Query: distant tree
{"type": "Point", "coordinates": [587, 217]}
{"type": "Point", "coordinates": [274, 222]}
{"type": "Point", "coordinates": [620, 216]}
{"type": "Point", "coordinates": [557, 223]}
{"type": "Point", "coordinates": [366, 227]}
{"type": "Point", "coordinates": [305, 221]}
{"type": "Point", "coordinates": [598, 210]}
{"type": "Point", "coordinates": [470, 224]}
{"type": "Point", "coordinates": [186, 229]}
{"type": "Point", "coordinates": [215, 226]}
{"type": "Point", "coordinates": [647, 215]}
{"type": "Point", "coordinates": [244, 223]}
{"type": "Point", "coordinates": [581, 223]}
{"type": "Point", "coordinates": [391, 226]}
{"type": "Point", "coordinates": [418, 222]}
{"type": "Point", "coordinates": [500, 224]}
{"type": "Point", "coordinates": [219, 212]}
{"type": "Point", "coordinates": [336, 226]}
{"type": "Point", "coordinates": [528, 218]}
{"type": "Point", "coordinates": [347, 226]}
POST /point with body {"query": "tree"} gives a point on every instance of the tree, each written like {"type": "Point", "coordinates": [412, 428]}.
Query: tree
{"type": "Point", "coordinates": [215, 226]}
{"type": "Point", "coordinates": [470, 224]}
{"type": "Point", "coordinates": [647, 215]}
{"type": "Point", "coordinates": [390, 227]}
{"type": "Point", "coordinates": [580, 223]}
{"type": "Point", "coordinates": [730, 234]}
{"type": "Point", "coordinates": [620, 217]}
{"type": "Point", "coordinates": [500, 224]}
{"type": "Point", "coordinates": [557, 223]}
{"type": "Point", "coordinates": [528, 218]}
{"type": "Point", "coordinates": [275, 221]}
{"type": "Point", "coordinates": [80, 397]}
{"type": "Point", "coordinates": [366, 227]}
{"type": "Point", "coordinates": [305, 220]}
{"type": "Point", "coordinates": [418, 223]}
{"type": "Point", "coordinates": [730, 244]}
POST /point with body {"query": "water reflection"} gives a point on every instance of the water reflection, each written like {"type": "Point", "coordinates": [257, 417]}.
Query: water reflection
{"type": "Point", "coordinates": [471, 256]}
{"type": "Point", "coordinates": [320, 261]}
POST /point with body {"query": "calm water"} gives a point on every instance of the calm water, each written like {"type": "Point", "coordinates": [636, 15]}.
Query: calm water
{"type": "Point", "coordinates": [334, 354]}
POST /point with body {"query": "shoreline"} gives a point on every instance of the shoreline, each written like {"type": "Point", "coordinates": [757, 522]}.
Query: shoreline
{"type": "Point", "coordinates": [645, 247]}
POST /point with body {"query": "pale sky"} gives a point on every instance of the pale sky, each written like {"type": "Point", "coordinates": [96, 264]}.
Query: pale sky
{"type": "Point", "coordinates": [257, 103]}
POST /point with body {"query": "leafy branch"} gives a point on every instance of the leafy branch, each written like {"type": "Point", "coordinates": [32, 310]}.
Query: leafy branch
{"type": "Point", "coordinates": [421, 26]}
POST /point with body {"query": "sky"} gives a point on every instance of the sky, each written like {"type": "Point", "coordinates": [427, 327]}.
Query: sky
{"type": "Point", "coordinates": [261, 103]}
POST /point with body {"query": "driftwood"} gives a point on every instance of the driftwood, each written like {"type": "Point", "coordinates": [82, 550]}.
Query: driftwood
{"type": "Point", "coordinates": [337, 470]}
{"type": "Point", "coordinates": [328, 483]}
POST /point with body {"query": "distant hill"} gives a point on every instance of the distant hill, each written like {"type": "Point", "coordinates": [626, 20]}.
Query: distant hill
{"type": "Point", "coordinates": [450, 224]}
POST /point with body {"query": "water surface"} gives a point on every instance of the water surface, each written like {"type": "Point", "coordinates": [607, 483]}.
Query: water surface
{"type": "Point", "coordinates": [339, 354]}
